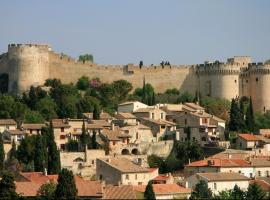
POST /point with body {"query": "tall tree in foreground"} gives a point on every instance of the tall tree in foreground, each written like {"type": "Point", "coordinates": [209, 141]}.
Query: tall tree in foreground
{"type": "Point", "coordinates": [149, 192]}
{"type": "Point", "coordinates": [236, 122]}
{"type": "Point", "coordinates": [12, 152]}
{"type": "Point", "coordinates": [237, 193]}
{"type": "Point", "coordinates": [40, 155]}
{"type": "Point", "coordinates": [54, 165]}
{"type": "Point", "coordinates": [47, 191]}
{"type": "Point", "coordinates": [201, 191]}
{"type": "Point", "coordinates": [7, 187]}
{"type": "Point", "coordinates": [255, 192]}
{"type": "Point", "coordinates": [83, 137]}
{"type": "Point", "coordinates": [2, 155]}
{"type": "Point", "coordinates": [66, 187]}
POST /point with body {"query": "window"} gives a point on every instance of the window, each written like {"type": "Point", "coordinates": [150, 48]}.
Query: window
{"type": "Point", "coordinates": [62, 129]}
{"type": "Point", "coordinates": [161, 115]}
{"type": "Point", "coordinates": [250, 175]}
{"type": "Point", "coordinates": [194, 139]}
{"type": "Point", "coordinates": [136, 176]}
{"type": "Point", "coordinates": [259, 173]}
{"type": "Point", "coordinates": [153, 115]}
{"type": "Point", "coordinates": [7, 127]}
{"type": "Point", "coordinates": [203, 138]}
{"type": "Point", "coordinates": [127, 177]}
{"type": "Point", "coordinates": [215, 186]}
{"type": "Point", "coordinates": [257, 79]}
{"type": "Point", "coordinates": [239, 171]}
{"type": "Point", "coordinates": [100, 177]}
{"type": "Point", "coordinates": [113, 142]}
{"type": "Point", "coordinates": [163, 126]}
{"type": "Point", "coordinates": [140, 183]}
{"type": "Point", "coordinates": [185, 121]}
{"type": "Point", "coordinates": [93, 162]}
{"type": "Point", "coordinates": [31, 131]}
{"type": "Point", "coordinates": [235, 81]}
{"type": "Point", "coordinates": [62, 146]}
{"type": "Point", "coordinates": [205, 120]}
{"type": "Point", "coordinates": [246, 81]}
{"type": "Point", "coordinates": [62, 137]}
{"type": "Point", "coordinates": [267, 173]}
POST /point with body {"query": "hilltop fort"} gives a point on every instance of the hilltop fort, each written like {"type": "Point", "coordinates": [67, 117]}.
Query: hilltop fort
{"type": "Point", "coordinates": [31, 64]}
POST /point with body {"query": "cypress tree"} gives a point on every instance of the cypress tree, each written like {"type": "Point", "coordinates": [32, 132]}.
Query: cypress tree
{"type": "Point", "coordinates": [40, 154]}
{"type": "Point", "coordinates": [149, 192]}
{"type": "Point", "coordinates": [201, 191]}
{"type": "Point", "coordinates": [153, 98]}
{"type": "Point", "coordinates": [255, 192]}
{"type": "Point", "coordinates": [96, 112]}
{"type": "Point", "coordinates": [236, 122]}
{"type": "Point", "coordinates": [250, 121]}
{"type": "Point", "coordinates": [7, 187]}
{"type": "Point", "coordinates": [94, 140]}
{"type": "Point", "coordinates": [144, 96]}
{"type": "Point", "coordinates": [237, 193]}
{"type": "Point", "coordinates": [66, 187]}
{"type": "Point", "coordinates": [54, 165]}
{"type": "Point", "coordinates": [12, 154]}
{"type": "Point", "coordinates": [2, 154]}
{"type": "Point", "coordinates": [83, 137]}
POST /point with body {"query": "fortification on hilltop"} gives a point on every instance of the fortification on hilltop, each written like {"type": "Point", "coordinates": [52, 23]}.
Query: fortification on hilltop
{"type": "Point", "coordinates": [31, 64]}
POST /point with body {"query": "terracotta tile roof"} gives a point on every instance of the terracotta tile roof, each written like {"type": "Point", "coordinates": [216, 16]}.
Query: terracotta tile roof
{"type": "Point", "coordinates": [33, 180]}
{"type": "Point", "coordinates": [159, 122]}
{"type": "Point", "coordinates": [217, 118]}
{"type": "Point", "coordinates": [260, 162]}
{"type": "Point", "coordinates": [7, 122]}
{"type": "Point", "coordinates": [263, 184]}
{"type": "Point", "coordinates": [161, 178]}
{"type": "Point", "coordinates": [161, 189]}
{"type": "Point", "coordinates": [201, 114]}
{"type": "Point", "coordinates": [248, 137]}
{"type": "Point", "coordinates": [148, 109]}
{"type": "Point", "coordinates": [122, 115]}
{"type": "Point", "coordinates": [60, 123]}
{"type": "Point", "coordinates": [194, 106]}
{"type": "Point", "coordinates": [216, 162]}
{"type": "Point", "coordinates": [113, 135]}
{"type": "Point", "coordinates": [223, 176]}
{"type": "Point", "coordinates": [103, 115]}
{"type": "Point", "coordinates": [33, 126]}
{"type": "Point", "coordinates": [125, 165]}
{"type": "Point", "coordinates": [16, 132]}
{"type": "Point", "coordinates": [119, 192]}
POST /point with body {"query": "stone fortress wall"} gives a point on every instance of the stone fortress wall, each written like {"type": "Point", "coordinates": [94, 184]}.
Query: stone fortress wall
{"type": "Point", "coordinates": [32, 64]}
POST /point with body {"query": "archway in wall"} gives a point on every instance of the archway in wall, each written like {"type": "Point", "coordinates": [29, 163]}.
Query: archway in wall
{"type": "Point", "coordinates": [125, 152]}
{"type": "Point", "coordinates": [135, 151]}
{"type": "Point", "coordinates": [4, 78]}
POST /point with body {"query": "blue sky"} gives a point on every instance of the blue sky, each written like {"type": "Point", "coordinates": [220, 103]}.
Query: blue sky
{"type": "Point", "coordinates": [125, 31]}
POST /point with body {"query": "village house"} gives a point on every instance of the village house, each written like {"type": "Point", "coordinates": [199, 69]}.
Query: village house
{"type": "Point", "coordinates": [247, 141]}
{"type": "Point", "coordinates": [122, 171]}
{"type": "Point", "coordinates": [166, 191]}
{"type": "Point", "coordinates": [150, 113]}
{"type": "Point", "coordinates": [218, 181]}
{"type": "Point", "coordinates": [33, 129]}
{"type": "Point", "coordinates": [131, 106]}
{"type": "Point", "coordinates": [125, 119]}
{"type": "Point", "coordinates": [62, 133]}
{"type": "Point", "coordinates": [7, 124]}
{"type": "Point", "coordinates": [97, 126]}
{"type": "Point", "coordinates": [102, 116]}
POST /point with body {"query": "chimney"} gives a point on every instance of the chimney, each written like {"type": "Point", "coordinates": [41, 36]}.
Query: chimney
{"type": "Point", "coordinates": [189, 161]}
{"type": "Point", "coordinates": [45, 172]}
{"type": "Point", "coordinates": [112, 126]}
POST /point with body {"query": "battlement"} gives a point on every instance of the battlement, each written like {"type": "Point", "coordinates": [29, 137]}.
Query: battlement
{"type": "Point", "coordinates": [39, 46]}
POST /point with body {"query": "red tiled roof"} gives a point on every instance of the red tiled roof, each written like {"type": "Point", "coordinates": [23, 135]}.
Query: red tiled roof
{"type": "Point", "coordinates": [216, 162]}
{"type": "Point", "coordinates": [164, 189]}
{"type": "Point", "coordinates": [33, 180]}
{"type": "Point", "coordinates": [161, 178]}
{"type": "Point", "coordinates": [119, 192]}
{"type": "Point", "coordinates": [152, 169]}
{"type": "Point", "coordinates": [263, 184]}
{"type": "Point", "coordinates": [248, 137]}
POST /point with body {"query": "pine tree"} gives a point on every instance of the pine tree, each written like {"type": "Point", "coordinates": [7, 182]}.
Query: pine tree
{"type": "Point", "coordinates": [12, 152]}
{"type": "Point", "coordinates": [40, 154]}
{"type": "Point", "coordinates": [250, 121]}
{"type": "Point", "coordinates": [66, 187]}
{"type": "Point", "coordinates": [54, 165]}
{"type": "Point", "coordinates": [255, 192]}
{"type": "Point", "coordinates": [83, 137]}
{"type": "Point", "coordinates": [149, 192]}
{"type": "Point", "coordinates": [7, 187]}
{"type": "Point", "coordinates": [201, 191]}
{"type": "Point", "coordinates": [2, 154]}
{"type": "Point", "coordinates": [236, 122]}
{"type": "Point", "coordinates": [237, 193]}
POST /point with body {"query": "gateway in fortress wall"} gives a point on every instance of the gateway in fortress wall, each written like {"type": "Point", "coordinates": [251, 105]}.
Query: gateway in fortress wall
{"type": "Point", "coordinates": [31, 64]}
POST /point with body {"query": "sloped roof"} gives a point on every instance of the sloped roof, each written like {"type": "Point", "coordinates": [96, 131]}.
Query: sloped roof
{"type": "Point", "coordinates": [194, 106]}
{"type": "Point", "coordinates": [159, 121]}
{"type": "Point", "coordinates": [216, 162]}
{"type": "Point", "coordinates": [261, 182]}
{"type": "Point", "coordinates": [33, 126]}
{"type": "Point", "coordinates": [7, 122]}
{"type": "Point", "coordinates": [248, 137]}
{"type": "Point", "coordinates": [119, 192]}
{"type": "Point", "coordinates": [145, 110]}
{"type": "Point", "coordinates": [162, 189]}
{"type": "Point", "coordinates": [114, 135]}
{"type": "Point", "coordinates": [121, 115]}
{"type": "Point", "coordinates": [223, 176]}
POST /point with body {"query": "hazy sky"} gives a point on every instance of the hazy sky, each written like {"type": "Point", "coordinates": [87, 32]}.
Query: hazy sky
{"type": "Point", "coordinates": [125, 31]}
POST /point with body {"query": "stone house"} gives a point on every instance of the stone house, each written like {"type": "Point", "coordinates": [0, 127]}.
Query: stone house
{"type": "Point", "coordinates": [31, 128]}
{"type": "Point", "coordinates": [125, 119]}
{"type": "Point", "coordinates": [122, 171]}
{"type": "Point", "coordinates": [150, 113]}
{"type": "Point", "coordinates": [62, 132]}
{"type": "Point", "coordinates": [7, 124]}
{"type": "Point", "coordinates": [247, 141]}
{"type": "Point", "coordinates": [103, 116]}
{"type": "Point", "coordinates": [131, 106]}
{"type": "Point", "coordinates": [218, 181]}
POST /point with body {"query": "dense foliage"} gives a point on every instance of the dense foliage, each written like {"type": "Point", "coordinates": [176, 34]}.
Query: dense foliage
{"type": "Point", "coordinates": [2, 155]}
{"type": "Point", "coordinates": [7, 187]}
{"type": "Point", "coordinates": [66, 187]}
{"type": "Point", "coordinates": [149, 192]}
{"type": "Point", "coordinates": [201, 191]}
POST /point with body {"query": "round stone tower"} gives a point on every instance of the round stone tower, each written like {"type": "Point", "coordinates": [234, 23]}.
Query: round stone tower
{"type": "Point", "coordinates": [259, 78]}
{"type": "Point", "coordinates": [29, 65]}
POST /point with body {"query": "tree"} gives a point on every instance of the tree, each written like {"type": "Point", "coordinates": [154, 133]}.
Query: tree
{"type": "Point", "coordinates": [54, 165]}
{"type": "Point", "coordinates": [2, 154]}
{"type": "Point", "coordinates": [86, 57]}
{"type": "Point", "coordinates": [83, 83]}
{"type": "Point", "coordinates": [201, 191]}
{"type": "Point", "coordinates": [149, 192]}
{"type": "Point", "coordinates": [47, 191]}
{"type": "Point", "coordinates": [72, 145]}
{"type": "Point", "coordinates": [237, 193]}
{"type": "Point", "coordinates": [33, 117]}
{"type": "Point", "coordinates": [121, 89]}
{"type": "Point", "coordinates": [26, 150]}
{"type": "Point", "coordinates": [12, 152]}
{"type": "Point", "coordinates": [96, 112]}
{"type": "Point", "coordinates": [47, 108]}
{"type": "Point", "coordinates": [250, 121]}
{"type": "Point", "coordinates": [52, 83]}
{"type": "Point", "coordinates": [141, 64]}
{"type": "Point", "coordinates": [7, 187]}
{"type": "Point", "coordinates": [40, 155]}
{"type": "Point", "coordinates": [155, 161]}
{"type": "Point", "coordinates": [255, 192]}
{"type": "Point", "coordinates": [94, 140]}
{"type": "Point", "coordinates": [224, 195]}
{"type": "Point", "coordinates": [6, 106]}
{"type": "Point", "coordinates": [236, 122]}
{"type": "Point", "coordinates": [66, 187]}
{"type": "Point", "coordinates": [83, 137]}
